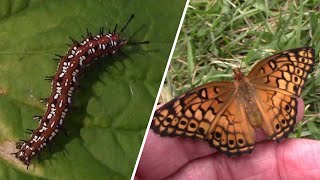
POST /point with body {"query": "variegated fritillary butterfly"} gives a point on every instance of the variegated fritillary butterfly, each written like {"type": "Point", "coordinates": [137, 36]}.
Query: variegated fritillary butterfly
{"type": "Point", "coordinates": [225, 114]}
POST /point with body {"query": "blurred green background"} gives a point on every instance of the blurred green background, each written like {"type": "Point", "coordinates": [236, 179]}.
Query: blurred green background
{"type": "Point", "coordinates": [113, 103]}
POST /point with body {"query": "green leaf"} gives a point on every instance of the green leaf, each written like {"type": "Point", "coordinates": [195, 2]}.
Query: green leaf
{"type": "Point", "coordinates": [112, 106]}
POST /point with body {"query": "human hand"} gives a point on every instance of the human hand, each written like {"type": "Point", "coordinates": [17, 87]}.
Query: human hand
{"type": "Point", "coordinates": [178, 158]}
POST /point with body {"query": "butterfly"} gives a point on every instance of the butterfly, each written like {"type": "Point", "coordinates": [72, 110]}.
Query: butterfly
{"type": "Point", "coordinates": [226, 114]}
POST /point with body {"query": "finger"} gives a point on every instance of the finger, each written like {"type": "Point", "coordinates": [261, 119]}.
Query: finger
{"type": "Point", "coordinates": [300, 109]}
{"type": "Point", "coordinates": [163, 156]}
{"type": "Point", "coordinates": [268, 161]}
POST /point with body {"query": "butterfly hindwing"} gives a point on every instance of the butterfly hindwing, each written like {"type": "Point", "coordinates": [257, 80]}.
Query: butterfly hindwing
{"type": "Point", "coordinates": [279, 112]}
{"type": "Point", "coordinates": [231, 133]}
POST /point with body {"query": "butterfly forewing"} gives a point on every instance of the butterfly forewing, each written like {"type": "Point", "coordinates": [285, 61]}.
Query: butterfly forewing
{"type": "Point", "coordinates": [285, 72]}
{"type": "Point", "coordinates": [192, 114]}
{"type": "Point", "coordinates": [226, 113]}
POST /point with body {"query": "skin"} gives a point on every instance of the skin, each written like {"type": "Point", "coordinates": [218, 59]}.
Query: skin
{"type": "Point", "coordinates": [178, 158]}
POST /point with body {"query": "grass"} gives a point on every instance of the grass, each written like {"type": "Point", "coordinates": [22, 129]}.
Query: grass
{"type": "Point", "coordinates": [243, 32]}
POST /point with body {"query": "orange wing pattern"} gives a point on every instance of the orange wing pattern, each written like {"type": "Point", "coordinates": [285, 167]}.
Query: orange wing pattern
{"type": "Point", "coordinates": [231, 133]}
{"type": "Point", "coordinates": [279, 80]}
{"type": "Point", "coordinates": [285, 72]}
{"type": "Point", "coordinates": [279, 112]}
{"type": "Point", "coordinates": [192, 114]}
{"type": "Point", "coordinates": [209, 112]}
{"type": "Point", "coordinates": [225, 113]}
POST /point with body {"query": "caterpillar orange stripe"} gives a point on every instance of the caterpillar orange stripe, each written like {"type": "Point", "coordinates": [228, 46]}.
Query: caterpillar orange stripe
{"type": "Point", "coordinates": [64, 82]}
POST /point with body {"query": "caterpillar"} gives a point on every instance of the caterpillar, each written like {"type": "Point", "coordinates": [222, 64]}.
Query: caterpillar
{"type": "Point", "coordinates": [63, 84]}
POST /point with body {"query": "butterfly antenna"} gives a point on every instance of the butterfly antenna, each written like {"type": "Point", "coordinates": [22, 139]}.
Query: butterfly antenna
{"type": "Point", "coordinates": [221, 60]}
{"type": "Point", "coordinates": [241, 63]}
{"type": "Point", "coordinates": [129, 20]}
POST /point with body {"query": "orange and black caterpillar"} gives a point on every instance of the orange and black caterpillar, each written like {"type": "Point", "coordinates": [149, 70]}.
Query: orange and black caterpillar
{"type": "Point", "coordinates": [64, 82]}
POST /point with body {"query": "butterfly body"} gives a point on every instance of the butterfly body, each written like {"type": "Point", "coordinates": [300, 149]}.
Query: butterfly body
{"type": "Point", "coordinates": [246, 94]}
{"type": "Point", "coordinates": [226, 114]}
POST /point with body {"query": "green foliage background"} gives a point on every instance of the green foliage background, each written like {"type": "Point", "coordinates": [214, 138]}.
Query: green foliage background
{"type": "Point", "coordinates": [115, 97]}
{"type": "Point", "coordinates": [242, 33]}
